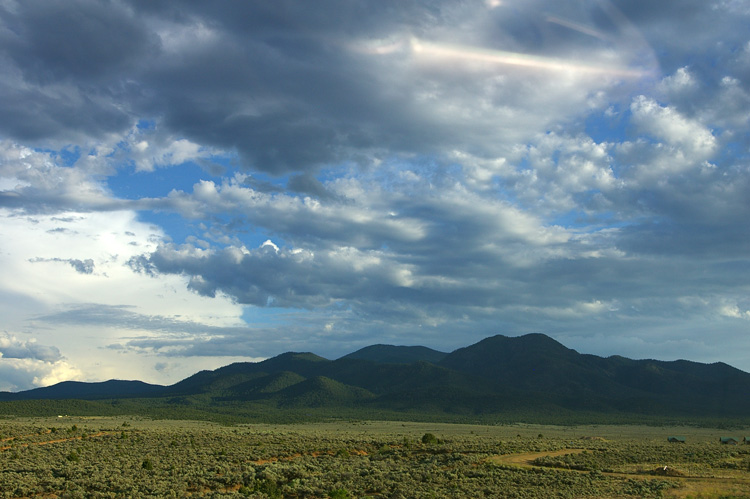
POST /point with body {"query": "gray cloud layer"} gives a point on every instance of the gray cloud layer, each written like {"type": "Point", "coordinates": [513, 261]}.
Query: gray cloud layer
{"type": "Point", "coordinates": [290, 87]}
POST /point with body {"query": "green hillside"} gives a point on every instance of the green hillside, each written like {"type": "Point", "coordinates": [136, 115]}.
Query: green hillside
{"type": "Point", "coordinates": [320, 391]}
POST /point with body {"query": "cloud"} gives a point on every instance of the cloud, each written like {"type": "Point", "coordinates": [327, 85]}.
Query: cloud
{"type": "Point", "coordinates": [56, 54]}
{"type": "Point", "coordinates": [564, 173]}
{"type": "Point", "coordinates": [81, 266]}
{"type": "Point", "coordinates": [735, 312]}
{"type": "Point", "coordinates": [148, 149]}
{"type": "Point", "coordinates": [26, 364]}
{"type": "Point", "coordinates": [308, 184]}
{"type": "Point", "coordinates": [35, 183]}
{"type": "Point", "coordinates": [290, 99]}
{"type": "Point", "coordinates": [25, 374]}
{"type": "Point", "coordinates": [198, 182]}
{"type": "Point", "coordinates": [83, 311]}
{"type": "Point", "coordinates": [13, 348]}
{"type": "Point", "coordinates": [687, 137]}
{"type": "Point", "coordinates": [94, 314]}
{"type": "Point", "coordinates": [290, 278]}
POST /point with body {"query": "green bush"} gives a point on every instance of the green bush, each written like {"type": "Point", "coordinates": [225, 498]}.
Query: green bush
{"type": "Point", "coordinates": [339, 494]}
{"type": "Point", "coordinates": [429, 438]}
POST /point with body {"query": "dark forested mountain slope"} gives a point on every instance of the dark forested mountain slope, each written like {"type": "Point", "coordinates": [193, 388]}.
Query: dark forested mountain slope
{"type": "Point", "coordinates": [536, 363]}
{"type": "Point", "coordinates": [87, 391]}
{"type": "Point", "coordinates": [531, 372]}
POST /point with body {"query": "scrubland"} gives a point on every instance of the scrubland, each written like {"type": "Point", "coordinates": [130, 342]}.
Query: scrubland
{"type": "Point", "coordinates": [135, 457]}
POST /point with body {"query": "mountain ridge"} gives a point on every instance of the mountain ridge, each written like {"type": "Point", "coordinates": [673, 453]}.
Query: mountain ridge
{"type": "Point", "coordinates": [531, 372]}
{"type": "Point", "coordinates": [90, 390]}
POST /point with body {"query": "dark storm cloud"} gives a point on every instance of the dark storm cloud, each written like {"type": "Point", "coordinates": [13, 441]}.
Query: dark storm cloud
{"type": "Point", "coordinates": [68, 67]}
{"type": "Point", "coordinates": [285, 106]}
{"type": "Point", "coordinates": [34, 115]}
{"type": "Point", "coordinates": [275, 82]}
{"type": "Point", "coordinates": [290, 87]}
{"type": "Point", "coordinates": [76, 40]}
{"type": "Point", "coordinates": [12, 348]}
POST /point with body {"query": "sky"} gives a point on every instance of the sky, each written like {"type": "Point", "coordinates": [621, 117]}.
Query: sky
{"type": "Point", "coordinates": [188, 184]}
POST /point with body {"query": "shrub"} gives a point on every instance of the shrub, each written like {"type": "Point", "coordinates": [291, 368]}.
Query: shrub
{"type": "Point", "coordinates": [339, 494]}
{"type": "Point", "coordinates": [268, 487]}
{"type": "Point", "coordinates": [429, 438]}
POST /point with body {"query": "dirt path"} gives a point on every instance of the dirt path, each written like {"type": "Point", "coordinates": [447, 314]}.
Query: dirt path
{"type": "Point", "coordinates": [55, 441]}
{"type": "Point", "coordinates": [9, 439]}
{"type": "Point", "coordinates": [690, 486]}
{"type": "Point", "coordinates": [526, 459]}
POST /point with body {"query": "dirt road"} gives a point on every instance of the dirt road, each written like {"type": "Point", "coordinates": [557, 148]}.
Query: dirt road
{"type": "Point", "coordinates": [689, 486]}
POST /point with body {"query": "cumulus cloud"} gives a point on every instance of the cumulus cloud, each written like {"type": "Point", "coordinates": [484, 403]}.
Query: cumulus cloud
{"type": "Point", "coordinates": [26, 364]}
{"type": "Point", "coordinates": [147, 148]}
{"type": "Point", "coordinates": [34, 183]}
{"type": "Point", "coordinates": [688, 138]}
{"type": "Point", "coordinates": [13, 348]}
{"type": "Point", "coordinates": [25, 374]}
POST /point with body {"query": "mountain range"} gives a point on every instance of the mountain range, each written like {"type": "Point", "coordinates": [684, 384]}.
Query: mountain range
{"type": "Point", "coordinates": [531, 373]}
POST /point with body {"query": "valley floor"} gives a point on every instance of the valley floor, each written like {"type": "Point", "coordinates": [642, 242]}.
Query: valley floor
{"type": "Point", "coordinates": [136, 457]}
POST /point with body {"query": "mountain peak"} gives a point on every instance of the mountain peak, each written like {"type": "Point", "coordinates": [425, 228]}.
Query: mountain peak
{"type": "Point", "coordinates": [518, 359]}
{"type": "Point", "coordinates": [391, 354]}
{"type": "Point", "coordinates": [504, 348]}
{"type": "Point", "coordinates": [299, 356]}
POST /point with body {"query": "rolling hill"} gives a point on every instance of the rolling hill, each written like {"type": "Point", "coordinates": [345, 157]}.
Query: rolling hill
{"type": "Point", "coordinates": [531, 373]}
